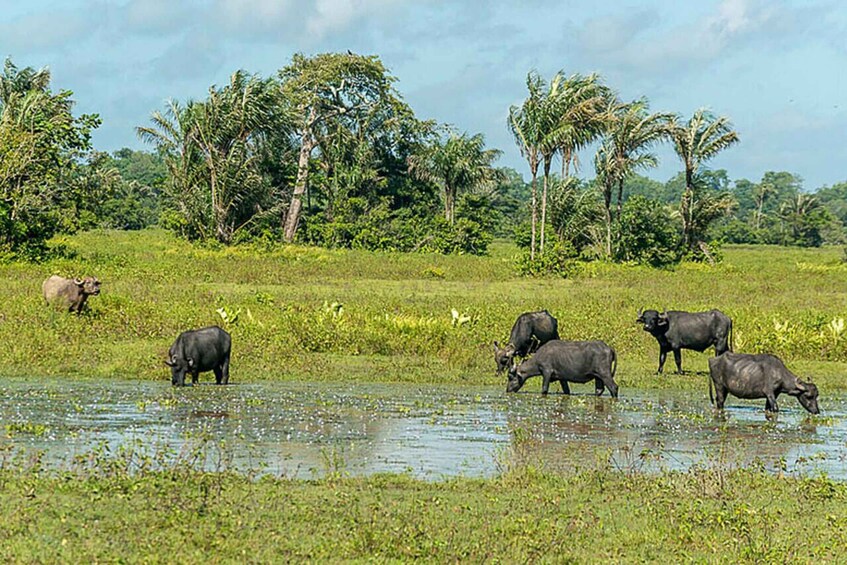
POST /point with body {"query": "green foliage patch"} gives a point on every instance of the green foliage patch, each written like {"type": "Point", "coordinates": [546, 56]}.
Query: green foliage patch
{"type": "Point", "coordinates": [101, 512]}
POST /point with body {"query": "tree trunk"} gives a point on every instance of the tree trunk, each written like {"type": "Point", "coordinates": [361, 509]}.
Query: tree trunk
{"type": "Point", "coordinates": [452, 208]}
{"type": "Point", "coordinates": [534, 192]}
{"type": "Point", "coordinates": [685, 210]}
{"type": "Point", "coordinates": [607, 201]}
{"type": "Point", "coordinates": [292, 218]}
{"type": "Point", "coordinates": [620, 200]}
{"type": "Point", "coordinates": [447, 204]}
{"type": "Point", "coordinates": [547, 163]}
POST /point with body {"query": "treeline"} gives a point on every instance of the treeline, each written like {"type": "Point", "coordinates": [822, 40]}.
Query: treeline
{"type": "Point", "coordinates": [327, 152]}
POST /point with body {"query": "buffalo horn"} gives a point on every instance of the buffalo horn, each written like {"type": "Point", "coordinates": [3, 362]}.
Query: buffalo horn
{"type": "Point", "coordinates": [77, 281]}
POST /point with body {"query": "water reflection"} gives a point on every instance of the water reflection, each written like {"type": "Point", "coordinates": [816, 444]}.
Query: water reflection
{"type": "Point", "coordinates": [305, 430]}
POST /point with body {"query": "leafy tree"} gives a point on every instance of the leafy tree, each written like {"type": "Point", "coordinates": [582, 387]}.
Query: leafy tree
{"type": "Point", "coordinates": [576, 214]}
{"type": "Point", "coordinates": [213, 150]}
{"type": "Point", "coordinates": [526, 122]}
{"type": "Point", "coordinates": [630, 133]}
{"type": "Point", "coordinates": [40, 144]}
{"type": "Point", "coordinates": [804, 218]}
{"type": "Point", "coordinates": [695, 142]}
{"type": "Point", "coordinates": [508, 202]}
{"type": "Point", "coordinates": [105, 191]}
{"type": "Point", "coordinates": [639, 185]}
{"type": "Point", "coordinates": [458, 163]}
{"type": "Point", "coordinates": [572, 114]}
{"type": "Point", "coordinates": [835, 200]}
{"type": "Point", "coordinates": [328, 94]}
{"type": "Point", "coordinates": [646, 234]}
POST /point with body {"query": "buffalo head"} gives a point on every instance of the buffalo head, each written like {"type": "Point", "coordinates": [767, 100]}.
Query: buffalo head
{"type": "Point", "coordinates": [179, 367]}
{"type": "Point", "coordinates": [808, 396]}
{"type": "Point", "coordinates": [652, 319]}
{"type": "Point", "coordinates": [88, 285]}
{"type": "Point", "coordinates": [516, 381]}
{"type": "Point", "coordinates": [503, 356]}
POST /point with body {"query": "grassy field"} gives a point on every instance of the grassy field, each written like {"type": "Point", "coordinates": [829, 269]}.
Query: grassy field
{"type": "Point", "coordinates": [308, 313]}
{"type": "Point", "coordinates": [596, 516]}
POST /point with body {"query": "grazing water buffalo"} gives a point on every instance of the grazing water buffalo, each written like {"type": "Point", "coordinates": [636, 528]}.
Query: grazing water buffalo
{"type": "Point", "coordinates": [196, 351]}
{"type": "Point", "coordinates": [69, 293]}
{"type": "Point", "coordinates": [758, 376]}
{"type": "Point", "coordinates": [563, 361]}
{"type": "Point", "coordinates": [531, 331]}
{"type": "Point", "coordinates": [676, 331]}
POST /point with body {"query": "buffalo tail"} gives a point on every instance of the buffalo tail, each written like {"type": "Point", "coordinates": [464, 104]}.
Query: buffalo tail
{"type": "Point", "coordinates": [614, 362]}
{"type": "Point", "coordinates": [731, 344]}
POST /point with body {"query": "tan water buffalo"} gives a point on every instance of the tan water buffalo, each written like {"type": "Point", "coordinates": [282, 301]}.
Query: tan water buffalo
{"type": "Point", "coordinates": [69, 293]}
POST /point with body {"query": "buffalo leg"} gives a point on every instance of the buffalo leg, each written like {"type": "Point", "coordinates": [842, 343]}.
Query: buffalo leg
{"type": "Point", "coordinates": [545, 385]}
{"type": "Point", "coordinates": [218, 374]}
{"type": "Point", "coordinates": [677, 357]}
{"type": "Point", "coordinates": [194, 376]}
{"type": "Point", "coordinates": [720, 396]}
{"type": "Point", "coordinates": [565, 388]}
{"type": "Point", "coordinates": [225, 371]}
{"type": "Point", "coordinates": [599, 387]}
{"type": "Point", "coordinates": [663, 354]}
{"type": "Point", "coordinates": [770, 403]}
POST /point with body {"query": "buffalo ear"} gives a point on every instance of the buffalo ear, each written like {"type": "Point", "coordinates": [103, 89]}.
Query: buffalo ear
{"type": "Point", "coordinates": [496, 346]}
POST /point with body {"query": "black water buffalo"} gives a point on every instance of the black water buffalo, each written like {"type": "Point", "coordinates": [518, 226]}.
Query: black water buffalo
{"type": "Point", "coordinates": [531, 331]}
{"type": "Point", "coordinates": [677, 330]}
{"type": "Point", "coordinates": [563, 361]}
{"type": "Point", "coordinates": [758, 376]}
{"type": "Point", "coordinates": [196, 351]}
{"type": "Point", "coordinates": [69, 293]}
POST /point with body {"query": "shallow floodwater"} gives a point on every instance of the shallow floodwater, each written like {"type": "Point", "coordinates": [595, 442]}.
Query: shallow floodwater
{"type": "Point", "coordinates": [308, 430]}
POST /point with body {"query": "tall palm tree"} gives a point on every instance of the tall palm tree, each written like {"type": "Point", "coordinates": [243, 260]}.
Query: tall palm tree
{"type": "Point", "coordinates": [630, 134]}
{"type": "Point", "coordinates": [695, 142]}
{"type": "Point", "coordinates": [761, 192]}
{"type": "Point", "coordinates": [795, 212]}
{"type": "Point", "coordinates": [15, 81]}
{"type": "Point", "coordinates": [526, 124]}
{"type": "Point", "coordinates": [211, 149]}
{"type": "Point", "coordinates": [458, 163]}
{"type": "Point", "coordinates": [571, 119]}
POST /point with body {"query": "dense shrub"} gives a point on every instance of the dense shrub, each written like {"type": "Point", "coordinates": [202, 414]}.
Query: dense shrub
{"type": "Point", "coordinates": [647, 234]}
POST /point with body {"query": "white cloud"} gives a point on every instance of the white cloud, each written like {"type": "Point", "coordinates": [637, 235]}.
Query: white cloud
{"type": "Point", "coordinates": [635, 41]}
{"type": "Point", "coordinates": [335, 15]}
{"type": "Point", "coordinates": [156, 16]}
{"type": "Point", "coordinates": [46, 30]}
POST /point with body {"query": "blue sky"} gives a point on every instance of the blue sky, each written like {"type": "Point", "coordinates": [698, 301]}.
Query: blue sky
{"type": "Point", "coordinates": [777, 69]}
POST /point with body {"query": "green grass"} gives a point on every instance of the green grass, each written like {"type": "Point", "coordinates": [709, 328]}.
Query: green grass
{"type": "Point", "coordinates": [598, 516]}
{"type": "Point", "coordinates": [396, 322]}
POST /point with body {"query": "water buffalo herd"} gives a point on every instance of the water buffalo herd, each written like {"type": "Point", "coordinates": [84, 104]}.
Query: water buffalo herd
{"type": "Point", "coordinates": [534, 348]}
{"type": "Point", "coordinates": [740, 374]}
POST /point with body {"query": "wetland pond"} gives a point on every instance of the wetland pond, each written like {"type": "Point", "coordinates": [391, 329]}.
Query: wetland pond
{"type": "Point", "coordinates": [307, 430]}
